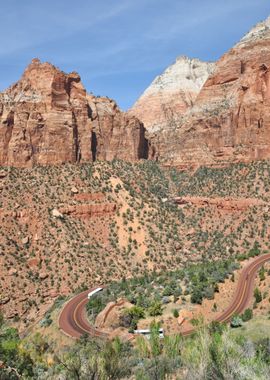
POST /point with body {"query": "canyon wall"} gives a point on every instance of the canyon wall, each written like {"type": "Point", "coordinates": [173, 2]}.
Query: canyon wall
{"type": "Point", "coordinates": [47, 118]}
{"type": "Point", "coordinates": [230, 119]}
{"type": "Point", "coordinates": [115, 134]}
{"type": "Point", "coordinates": [194, 114]}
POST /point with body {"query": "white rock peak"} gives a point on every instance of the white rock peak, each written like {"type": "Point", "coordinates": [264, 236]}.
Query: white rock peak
{"type": "Point", "coordinates": [260, 30]}
{"type": "Point", "coordinates": [186, 74]}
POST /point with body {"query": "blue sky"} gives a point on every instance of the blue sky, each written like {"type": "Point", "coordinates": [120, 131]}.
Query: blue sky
{"type": "Point", "coordinates": [119, 46]}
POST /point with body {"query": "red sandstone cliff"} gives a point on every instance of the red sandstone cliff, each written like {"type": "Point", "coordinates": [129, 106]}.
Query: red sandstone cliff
{"type": "Point", "coordinates": [47, 118]}
{"type": "Point", "coordinates": [230, 120]}
{"type": "Point", "coordinates": [115, 134]}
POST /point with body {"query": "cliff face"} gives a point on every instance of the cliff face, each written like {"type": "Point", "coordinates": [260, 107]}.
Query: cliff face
{"type": "Point", "coordinates": [168, 97]}
{"type": "Point", "coordinates": [230, 120]}
{"type": "Point", "coordinates": [47, 118]}
{"type": "Point", "coordinates": [115, 134]}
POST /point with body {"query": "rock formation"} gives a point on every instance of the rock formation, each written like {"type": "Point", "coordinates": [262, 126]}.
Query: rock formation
{"type": "Point", "coordinates": [168, 97]}
{"type": "Point", "coordinates": [115, 134]}
{"type": "Point", "coordinates": [230, 120]}
{"type": "Point", "coordinates": [47, 118]}
{"type": "Point", "coordinates": [86, 211]}
{"type": "Point", "coordinates": [227, 204]}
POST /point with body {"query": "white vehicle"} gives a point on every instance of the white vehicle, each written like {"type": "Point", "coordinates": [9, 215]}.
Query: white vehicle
{"type": "Point", "coordinates": [94, 292]}
{"type": "Point", "coordinates": [147, 333]}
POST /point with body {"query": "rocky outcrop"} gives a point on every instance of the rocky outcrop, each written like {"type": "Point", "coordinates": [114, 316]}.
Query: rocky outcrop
{"type": "Point", "coordinates": [168, 97]}
{"type": "Point", "coordinates": [224, 204]}
{"type": "Point", "coordinates": [110, 316]}
{"type": "Point", "coordinates": [230, 120]}
{"type": "Point", "coordinates": [47, 118]}
{"type": "Point", "coordinates": [41, 116]}
{"type": "Point", "coordinates": [86, 211]}
{"type": "Point", "coordinates": [115, 134]}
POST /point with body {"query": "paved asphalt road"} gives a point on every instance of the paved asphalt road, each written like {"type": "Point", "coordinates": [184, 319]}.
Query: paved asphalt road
{"type": "Point", "coordinates": [73, 321]}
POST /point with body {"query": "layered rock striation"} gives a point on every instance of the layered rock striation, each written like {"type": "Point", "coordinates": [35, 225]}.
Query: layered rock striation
{"type": "Point", "coordinates": [230, 120]}
{"type": "Point", "coordinates": [195, 113]}
{"type": "Point", "coordinates": [163, 103]}
{"type": "Point", "coordinates": [115, 134]}
{"type": "Point", "coordinates": [47, 118]}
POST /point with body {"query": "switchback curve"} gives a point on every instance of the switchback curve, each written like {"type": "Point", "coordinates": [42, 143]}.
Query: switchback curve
{"type": "Point", "coordinates": [73, 321]}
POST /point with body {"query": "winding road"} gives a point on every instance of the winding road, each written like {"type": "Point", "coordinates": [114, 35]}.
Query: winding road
{"type": "Point", "coordinates": [73, 320]}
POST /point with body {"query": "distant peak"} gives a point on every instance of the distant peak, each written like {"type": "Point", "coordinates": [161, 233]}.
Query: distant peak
{"type": "Point", "coordinates": [186, 59]}
{"type": "Point", "coordinates": [46, 67]}
{"type": "Point", "coordinates": [182, 58]}
{"type": "Point", "coordinates": [260, 30]}
{"type": "Point", "coordinates": [35, 61]}
{"type": "Point", "coordinates": [184, 74]}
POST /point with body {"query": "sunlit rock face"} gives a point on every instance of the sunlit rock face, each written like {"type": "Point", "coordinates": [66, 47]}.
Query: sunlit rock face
{"type": "Point", "coordinates": [115, 134]}
{"type": "Point", "coordinates": [230, 118]}
{"type": "Point", "coordinates": [47, 118]}
{"type": "Point", "coordinates": [171, 94]}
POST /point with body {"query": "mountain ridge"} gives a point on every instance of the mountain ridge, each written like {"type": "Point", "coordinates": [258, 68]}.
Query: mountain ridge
{"type": "Point", "coordinates": [171, 93]}
{"type": "Point", "coordinates": [48, 118]}
{"type": "Point", "coordinates": [229, 121]}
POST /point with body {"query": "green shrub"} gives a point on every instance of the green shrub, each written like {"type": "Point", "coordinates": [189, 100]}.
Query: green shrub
{"type": "Point", "coordinates": [247, 315]}
{"type": "Point", "coordinates": [155, 309]}
{"type": "Point", "coordinates": [236, 321]}
{"type": "Point", "coordinates": [257, 295]}
{"type": "Point", "coordinates": [175, 313]}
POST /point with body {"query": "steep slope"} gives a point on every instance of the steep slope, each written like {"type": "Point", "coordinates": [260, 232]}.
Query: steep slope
{"type": "Point", "coordinates": [230, 121]}
{"type": "Point", "coordinates": [67, 226]}
{"type": "Point", "coordinates": [171, 93]}
{"type": "Point", "coordinates": [47, 118]}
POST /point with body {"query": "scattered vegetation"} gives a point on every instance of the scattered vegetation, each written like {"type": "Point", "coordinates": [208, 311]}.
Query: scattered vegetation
{"type": "Point", "coordinates": [150, 292]}
{"type": "Point", "coordinates": [211, 353]}
{"type": "Point", "coordinates": [136, 249]}
{"type": "Point", "coordinates": [146, 232]}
